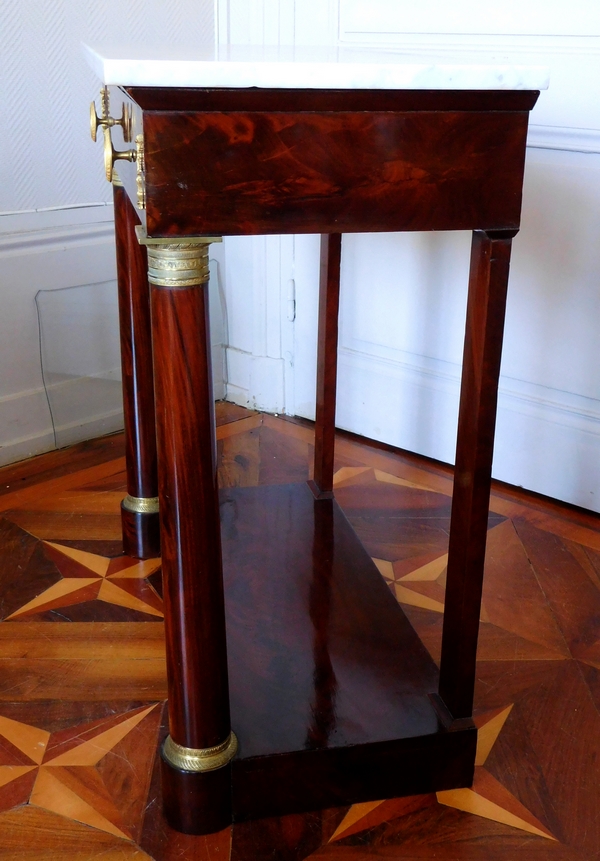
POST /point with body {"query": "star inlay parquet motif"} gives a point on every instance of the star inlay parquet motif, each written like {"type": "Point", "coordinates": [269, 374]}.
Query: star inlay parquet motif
{"type": "Point", "coordinates": [536, 792]}
{"type": "Point", "coordinates": [121, 581]}
{"type": "Point", "coordinates": [62, 771]}
{"type": "Point", "coordinates": [486, 798]}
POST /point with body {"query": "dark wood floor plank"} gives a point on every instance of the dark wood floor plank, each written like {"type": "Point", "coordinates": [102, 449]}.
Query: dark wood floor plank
{"type": "Point", "coordinates": [564, 729]}
{"type": "Point", "coordinates": [110, 641]}
{"type": "Point", "coordinates": [55, 674]}
{"type": "Point", "coordinates": [283, 459]}
{"type": "Point", "coordinates": [29, 495]}
{"type": "Point", "coordinates": [495, 644]}
{"type": "Point", "coordinates": [17, 792]}
{"type": "Point", "coordinates": [288, 838]}
{"type": "Point", "coordinates": [81, 661]}
{"type": "Point", "coordinates": [32, 834]}
{"type": "Point", "coordinates": [591, 675]}
{"type": "Point", "coordinates": [226, 412]}
{"type": "Point", "coordinates": [512, 596]}
{"type": "Point", "coordinates": [511, 761]}
{"type": "Point", "coordinates": [53, 465]}
{"type": "Point", "coordinates": [238, 459]}
{"type": "Point", "coordinates": [25, 570]}
{"type": "Point", "coordinates": [126, 771]}
{"type": "Point", "coordinates": [573, 598]}
{"type": "Point", "coordinates": [498, 846]}
{"type": "Point", "coordinates": [68, 525]}
{"type": "Point", "coordinates": [91, 680]}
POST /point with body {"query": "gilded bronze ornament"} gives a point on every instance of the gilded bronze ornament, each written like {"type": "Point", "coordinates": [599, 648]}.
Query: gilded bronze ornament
{"type": "Point", "coordinates": [141, 505]}
{"type": "Point", "coordinates": [200, 759]}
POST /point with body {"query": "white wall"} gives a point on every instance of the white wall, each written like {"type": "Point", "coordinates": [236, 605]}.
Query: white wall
{"type": "Point", "coordinates": [403, 296]}
{"type": "Point", "coordinates": [399, 358]}
{"type": "Point", "coordinates": [55, 204]}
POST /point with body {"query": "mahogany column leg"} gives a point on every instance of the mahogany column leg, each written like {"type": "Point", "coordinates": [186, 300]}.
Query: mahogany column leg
{"type": "Point", "coordinates": [329, 301]}
{"type": "Point", "coordinates": [197, 753]}
{"type": "Point", "coordinates": [490, 258]}
{"type": "Point", "coordinates": [139, 509]}
{"type": "Point", "coordinates": [323, 710]}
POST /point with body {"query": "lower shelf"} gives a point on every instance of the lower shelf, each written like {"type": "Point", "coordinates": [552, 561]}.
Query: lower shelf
{"type": "Point", "coordinates": [330, 686]}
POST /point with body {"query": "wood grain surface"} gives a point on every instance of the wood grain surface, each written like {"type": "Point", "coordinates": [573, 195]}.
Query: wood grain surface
{"type": "Point", "coordinates": [242, 173]}
{"type": "Point", "coordinates": [537, 697]}
{"type": "Point", "coordinates": [327, 349]}
{"type": "Point", "coordinates": [486, 305]}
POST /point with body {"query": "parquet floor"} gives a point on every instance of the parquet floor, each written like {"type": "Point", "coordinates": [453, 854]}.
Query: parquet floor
{"type": "Point", "coordinates": [82, 676]}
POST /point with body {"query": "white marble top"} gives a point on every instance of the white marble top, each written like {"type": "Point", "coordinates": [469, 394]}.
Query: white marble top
{"type": "Point", "coordinates": [311, 68]}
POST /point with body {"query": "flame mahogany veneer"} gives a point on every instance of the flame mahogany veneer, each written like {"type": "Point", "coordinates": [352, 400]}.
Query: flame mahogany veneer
{"type": "Point", "coordinates": [332, 696]}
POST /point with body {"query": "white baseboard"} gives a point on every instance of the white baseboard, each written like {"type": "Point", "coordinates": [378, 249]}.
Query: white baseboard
{"type": "Point", "coordinates": [26, 447]}
{"type": "Point", "coordinates": [47, 251]}
{"type": "Point", "coordinates": [564, 139]}
{"type": "Point", "coordinates": [255, 381]}
{"type": "Point", "coordinates": [26, 425]}
{"type": "Point", "coordinates": [219, 367]}
{"type": "Point", "coordinates": [547, 440]}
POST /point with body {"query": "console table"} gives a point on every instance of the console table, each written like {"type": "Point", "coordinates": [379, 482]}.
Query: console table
{"type": "Point", "coordinates": [295, 681]}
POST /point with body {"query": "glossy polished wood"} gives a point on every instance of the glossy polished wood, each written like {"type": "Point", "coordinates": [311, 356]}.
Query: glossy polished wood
{"type": "Point", "coordinates": [141, 533]}
{"type": "Point", "coordinates": [141, 536]}
{"type": "Point", "coordinates": [191, 551]}
{"type": "Point", "coordinates": [330, 686]}
{"type": "Point", "coordinates": [537, 679]}
{"type": "Point", "coordinates": [327, 344]}
{"type": "Point", "coordinates": [486, 305]}
{"type": "Point", "coordinates": [333, 697]}
{"type": "Point", "coordinates": [196, 803]}
{"type": "Point", "coordinates": [246, 173]}
{"type": "Point", "coordinates": [259, 99]}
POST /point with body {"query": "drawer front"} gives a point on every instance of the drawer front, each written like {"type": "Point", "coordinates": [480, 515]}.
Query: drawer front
{"type": "Point", "coordinates": [316, 172]}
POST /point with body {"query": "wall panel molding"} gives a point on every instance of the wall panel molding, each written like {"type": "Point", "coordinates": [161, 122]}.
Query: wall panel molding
{"type": "Point", "coordinates": [56, 239]}
{"type": "Point", "coordinates": [566, 139]}
{"type": "Point", "coordinates": [46, 155]}
{"type": "Point", "coordinates": [546, 438]}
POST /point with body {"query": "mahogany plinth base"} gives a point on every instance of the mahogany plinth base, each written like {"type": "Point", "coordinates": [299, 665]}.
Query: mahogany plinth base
{"type": "Point", "coordinates": [196, 802]}
{"type": "Point", "coordinates": [330, 687]}
{"type": "Point", "coordinates": [141, 534]}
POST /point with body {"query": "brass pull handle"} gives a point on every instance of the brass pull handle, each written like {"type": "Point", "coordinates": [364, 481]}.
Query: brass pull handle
{"type": "Point", "coordinates": [111, 155]}
{"type": "Point", "coordinates": [106, 121]}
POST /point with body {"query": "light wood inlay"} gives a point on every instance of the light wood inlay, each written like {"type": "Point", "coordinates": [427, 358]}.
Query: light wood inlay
{"type": "Point", "coordinates": [347, 474]}
{"type": "Point", "coordinates": [386, 569]}
{"type": "Point", "coordinates": [387, 478]}
{"type": "Point", "coordinates": [8, 773]}
{"type": "Point", "coordinates": [488, 730]}
{"type": "Point", "coordinates": [543, 751]}
{"type": "Point", "coordinates": [53, 795]}
{"type": "Point", "coordinates": [430, 571]}
{"type": "Point", "coordinates": [73, 590]}
{"type": "Point", "coordinates": [356, 813]}
{"type": "Point", "coordinates": [111, 593]}
{"type": "Point", "coordinates": [97, 564]}
{"type": "Point", "coordinates": [28, 739]}
{"type": "Point", "coordinates": [136, 571]}
{"type": "Point", "coordinates": [408, 596]}
{"type": "Point", "coordinates": [491, 800]}
{"type": "Point", "coordinates": [92, 751]}
{"type": "Point", "coordinates": [33, 834]}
